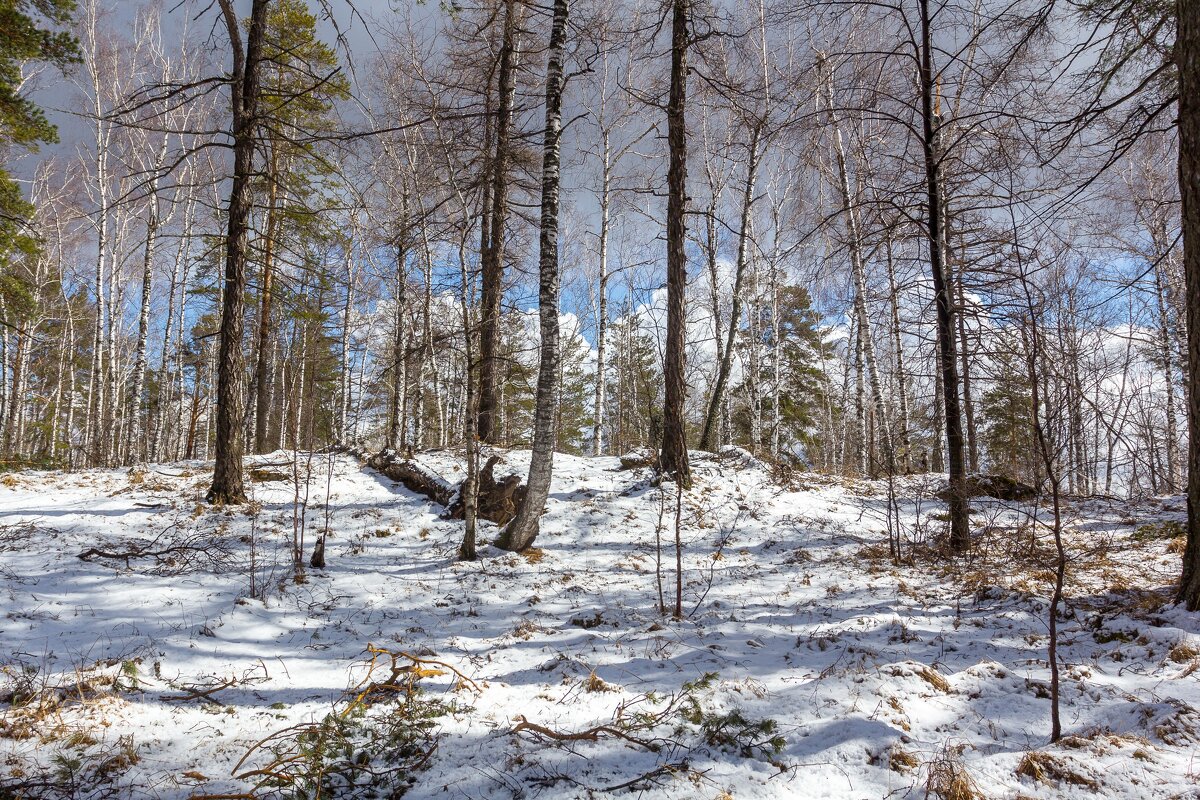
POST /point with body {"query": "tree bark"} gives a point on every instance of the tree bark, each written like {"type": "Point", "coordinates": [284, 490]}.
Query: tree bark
{"type": "Point", "coordinates": [521, 532]}
{"type": "Point", "coordinates": [344, 389]}
{"type": "Point", "coordinates": [954, 272]}
{"type": "Point", "coordinates": [1187, 53]}
{"type": "Point", "coordinates": [492, 266]}
{"type": "Point", "coordinates": [602, 307]}
{"type": "Point", "coordinates": [396, 421]}
{"type": "Point", "coordinates": [902, 434]}
{"type": "Point", "coordinates": [674, 459]}
{"type": "Point", "coordinates": [163, 394]}
{"type": "Point", "coordinates": [227, 486]}
{"type": "Point", "coordinates": [957, 502]}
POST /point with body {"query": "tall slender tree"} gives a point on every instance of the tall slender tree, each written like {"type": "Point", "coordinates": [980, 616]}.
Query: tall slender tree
{"type": "Point", "coordinates": [1187, 54]}
{"type": "Point", "coordinates": [523, 529]}
{"type": "Point", "coordinates": [245, 89]}
{"type": "Point", "coordinates": [947, 356]}
{"type": "Point", "coordinates": [674, 458]}
{"type": "Point", "coordinates": [492, 258]}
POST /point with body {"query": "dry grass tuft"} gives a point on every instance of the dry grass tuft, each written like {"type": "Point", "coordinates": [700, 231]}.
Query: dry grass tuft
{"type": "Point", "coordinates": [1045, 768]}
{"type": "Point", "coordinates": [948, 779]}
{"type": "Point", "coordinates": [934, 679]}
{"type": "Point", "coordinates": [595, 683]}
{"type": "Point", "coordinates": [1183, 652]}
{"type": "Point", "coordinates": [900, 760]}
{"type": "Point", "coordinates": [534, 555]}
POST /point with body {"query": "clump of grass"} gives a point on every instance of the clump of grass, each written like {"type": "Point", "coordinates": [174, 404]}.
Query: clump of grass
{"type": "Point", "coordinates": [900, 760]}
{"type": "Point", "coordinates": [948, 779]}
{"type": "Point", "coordinates": [1183, 652]}
{"type": "Point", "coordinates": [934, 679]}
{"type": "Point", "coordinates": [595, 683]}
{"type": "Point", "coordinates": [1045, 768]}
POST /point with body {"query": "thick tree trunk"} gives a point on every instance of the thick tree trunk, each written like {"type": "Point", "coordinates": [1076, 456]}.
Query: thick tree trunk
{"type": "Point", "coordinates": [227, 486]}
{"type": "Point", "coordinates": [469, 489]}
{"type": "Point", "coordinates": [674, 460]}
{"type": "Point", "coordinates": [959, 529]}
{"type": "Point", "coordinates": [1166, 354]}
{"type": "Point", "coordinates": [1187, 52]}
{"type": "Point", "coordinates": [521, 532]}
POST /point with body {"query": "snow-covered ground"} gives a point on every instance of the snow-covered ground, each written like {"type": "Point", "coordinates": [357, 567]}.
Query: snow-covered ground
{"type": "Point", "coordinates": [875, 676]}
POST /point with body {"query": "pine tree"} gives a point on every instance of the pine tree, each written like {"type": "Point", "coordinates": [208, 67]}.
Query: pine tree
{"type": "Point", "coordinates": [22, 123]}
{"type": "Point", "coordinates": [803, 384]}
{"type": "Point", "coordinates": [576, 385]}
{"type": "Point", "coordinates": [1008, 435]}
{"type": "Point", "coordinates": [301, 83]}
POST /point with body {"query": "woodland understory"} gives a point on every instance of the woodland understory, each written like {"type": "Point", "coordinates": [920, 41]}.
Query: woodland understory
{"type": "Point", "coordinates": [807, 662]}
{"type": "Point", "coordinates": [589, 396]}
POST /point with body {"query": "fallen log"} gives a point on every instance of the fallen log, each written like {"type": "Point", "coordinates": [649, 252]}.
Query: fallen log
{"type": "Point", "coordinates": [498, 499]}
{"type": "Point", "coordinates": [415, 477]}
{"type": "Point", "coordinates": [1000, 487]}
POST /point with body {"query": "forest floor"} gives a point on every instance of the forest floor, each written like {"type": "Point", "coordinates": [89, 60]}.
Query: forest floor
{"type": "Point", "coordinates": [807, 663]}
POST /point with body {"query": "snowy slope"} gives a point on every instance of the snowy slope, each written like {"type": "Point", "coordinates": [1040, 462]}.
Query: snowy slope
{"type": "Point", "coordinates": [876, 675]}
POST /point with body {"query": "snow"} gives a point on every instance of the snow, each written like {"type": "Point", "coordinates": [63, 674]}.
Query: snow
{"type": "Point", "coordinates": [875, 673]}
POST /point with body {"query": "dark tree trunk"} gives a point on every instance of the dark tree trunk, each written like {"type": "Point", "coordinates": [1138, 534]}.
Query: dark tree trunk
{"type": "Point", "coordinates": [1187, 52]}
{"type": "Point", "coordinates": [674, 460]}
{"type": "Point", "coordinates": [959, 530]}
{"type": "Point", "coordinates": [227, 484]}
{"type": "Point", "coordinates": [521, 532]}
{"type": "Point", "coordinates": [492, 266]}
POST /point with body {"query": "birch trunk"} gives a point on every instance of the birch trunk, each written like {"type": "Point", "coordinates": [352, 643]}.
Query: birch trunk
{"type": "Point", "coordinates": [136, 445]}
{"type": "Point", "coordinates": [858, 270]}
{"type": "Point", "coordinates": [602, 305]}
{"type": "Point", "coordinates": [522, 531]}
